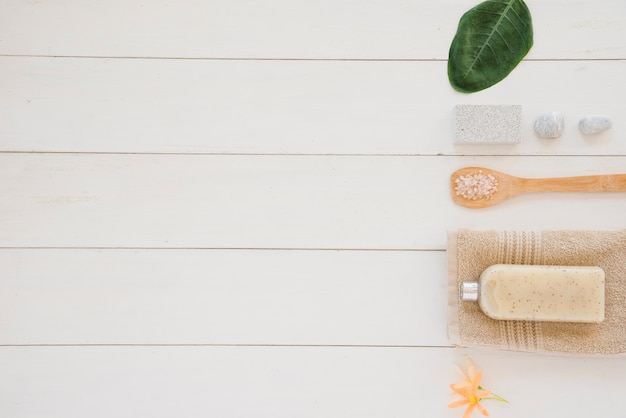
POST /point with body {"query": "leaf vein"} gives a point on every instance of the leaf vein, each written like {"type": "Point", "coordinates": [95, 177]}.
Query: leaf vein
{"type": "Point", "coordinates": [499, 23]}
{"type": "Point", "coordinates": [516, 30]}
{"type": "Point", "coordinates": [495, 54]}
{"type": "Point", "coordinates": [518, 17]}
{"type": "Point", "coordinates": [505, 41]}
{"type": "Point", "coordinates": [492, 31]}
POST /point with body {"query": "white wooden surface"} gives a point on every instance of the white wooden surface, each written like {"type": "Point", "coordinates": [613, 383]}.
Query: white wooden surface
{"type": "Point", "coordinates": [239, 208]}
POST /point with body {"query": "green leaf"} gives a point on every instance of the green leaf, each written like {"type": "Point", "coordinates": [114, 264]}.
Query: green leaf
{"type": "Point", "coordinates": [492, 38]}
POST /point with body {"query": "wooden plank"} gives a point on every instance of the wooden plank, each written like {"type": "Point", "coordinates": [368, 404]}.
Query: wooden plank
{"type": "Point", "coordinates": [164, 127]}
{"type": "Point", "coordinates": [223, 297]}
{"type": "Point", "coordinates": [326, 29]}
{"type": "Point", "coordinates": [296, 107]}
{"type": "Point", "coordinates": [230, 382]}
{"type": "Point", "coordinates": [217, 201]}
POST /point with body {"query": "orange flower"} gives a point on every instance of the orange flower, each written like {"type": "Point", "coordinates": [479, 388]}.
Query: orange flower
{"type": "Point", "coordinates": [472, 392]}
{"type": "Point", "coordinates": [469, 390]}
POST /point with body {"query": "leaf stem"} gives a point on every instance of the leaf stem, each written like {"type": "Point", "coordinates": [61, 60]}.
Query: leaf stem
{"type": "Point", "coordinates": [494, 397]}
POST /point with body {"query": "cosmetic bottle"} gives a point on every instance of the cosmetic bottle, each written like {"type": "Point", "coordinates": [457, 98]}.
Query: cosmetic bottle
{"type": "Point", "coordinates": [539, 293]}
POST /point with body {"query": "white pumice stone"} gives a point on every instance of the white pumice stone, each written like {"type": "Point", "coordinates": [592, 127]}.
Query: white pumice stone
{"type": "Point", "coordinates": [594, 124]}
{"type": "Point", "coordinates": [488, 124]}
{"type": "Point", "coordinates": [549, 125]}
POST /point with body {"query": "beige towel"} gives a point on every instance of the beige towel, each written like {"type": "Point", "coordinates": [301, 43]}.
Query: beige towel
{"type": "Point", "coordinates": [470, 252]}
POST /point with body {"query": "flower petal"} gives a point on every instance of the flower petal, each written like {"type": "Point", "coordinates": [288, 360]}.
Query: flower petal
{"type": "Point", "coordinates": [476, 381]}
{"type": "Point", "coordinates": [482, 409]}
{"type": "Point", "coordinates": [463, 372]}
{"type": "Point", "coordinates": [469, 410]}
{"type": "Point", "coordinates": [471, 369]}
{"type": "Point", "coordinates": [483, 394]}
{"type": "Point", "coordinates": [458, 403]}
{"type": "Point", "coordinates": [460, 385]}
{"type": "Point", "coordinates": [463, 391]}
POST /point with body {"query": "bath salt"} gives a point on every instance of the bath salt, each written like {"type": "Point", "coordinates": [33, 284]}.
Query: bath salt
{"type": "Point", "coordinates": [477, 185]}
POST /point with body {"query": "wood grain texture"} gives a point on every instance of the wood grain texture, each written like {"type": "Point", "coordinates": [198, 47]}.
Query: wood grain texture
{"type": "Point", "coordinates": [223, 297]}
{"type": "Point", "coordinates": [277, 382]}
{"type": "Point", "coordinates": [213, 201]}
{"type": "Point", "coordinates": [321, 29]}
{"type": "Point", "coordinates": [234, 208]}
{"type": "Point", "coordinates": [279, 107]}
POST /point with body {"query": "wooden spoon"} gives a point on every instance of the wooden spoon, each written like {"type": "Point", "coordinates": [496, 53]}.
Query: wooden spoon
{"type": "Point", "coordinates": [485, 187]}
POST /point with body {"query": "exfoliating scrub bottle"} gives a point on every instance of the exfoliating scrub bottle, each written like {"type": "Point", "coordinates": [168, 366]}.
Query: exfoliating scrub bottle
{"type": "Point", "coordinates": [539, 293]}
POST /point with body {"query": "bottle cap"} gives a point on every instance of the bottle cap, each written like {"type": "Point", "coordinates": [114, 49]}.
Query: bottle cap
{"type": "Point", "coordinates": [469, 291]}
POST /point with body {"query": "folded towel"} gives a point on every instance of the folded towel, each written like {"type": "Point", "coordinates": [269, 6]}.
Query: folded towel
{"type": "Point", "coordinates": [470, 252]}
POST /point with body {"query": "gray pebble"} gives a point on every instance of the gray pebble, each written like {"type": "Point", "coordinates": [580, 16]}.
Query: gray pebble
{"type": "Point", "coordinates": [594, 124]}
{"type": "Point", "coordinates": [549, 125]}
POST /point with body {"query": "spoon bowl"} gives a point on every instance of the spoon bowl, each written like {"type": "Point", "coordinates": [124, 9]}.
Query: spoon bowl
{"type": "Point", "coordinates": [479, 187]}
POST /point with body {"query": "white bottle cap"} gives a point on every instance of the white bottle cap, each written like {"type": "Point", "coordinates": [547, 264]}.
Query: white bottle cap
{"type": "Point", "coordinates": [469, 291]}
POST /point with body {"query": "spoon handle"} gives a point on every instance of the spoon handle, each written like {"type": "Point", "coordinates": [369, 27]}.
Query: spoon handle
{"type": "Point", "coordinates": [598, 183]}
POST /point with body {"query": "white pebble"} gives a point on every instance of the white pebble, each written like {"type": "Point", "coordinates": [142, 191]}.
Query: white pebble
{"type": "Point", "coordinates": [594, 124]}
{"type": "Point", "coordinates": [549, 125]}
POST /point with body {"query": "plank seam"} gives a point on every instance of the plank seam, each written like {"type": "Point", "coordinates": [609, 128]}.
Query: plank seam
{"type": "Point", "coordinates": [322, 155]}
{"type": "Point", "coordinates": [172, 58]}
